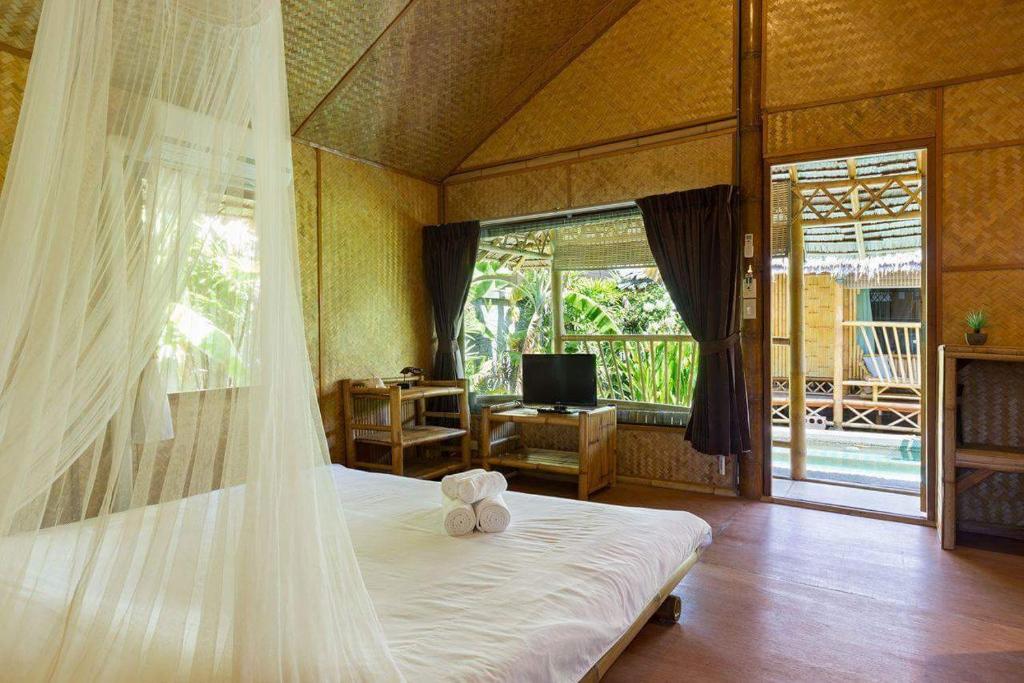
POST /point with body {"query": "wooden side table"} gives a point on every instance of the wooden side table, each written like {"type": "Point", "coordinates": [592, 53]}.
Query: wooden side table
{"type": "Point", "coordinates": [593, 464]}
{"type": "Point", "coordinates": [398, 436]}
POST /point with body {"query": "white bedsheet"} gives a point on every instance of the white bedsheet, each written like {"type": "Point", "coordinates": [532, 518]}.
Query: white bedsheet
{"type": "Point", "coordinates": [541, 601]}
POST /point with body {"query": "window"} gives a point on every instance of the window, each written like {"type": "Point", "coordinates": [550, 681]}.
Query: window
{"type": "Point", "coordinates": [204, 344]}
{"type": "Point", "coordinates": [583, 284]}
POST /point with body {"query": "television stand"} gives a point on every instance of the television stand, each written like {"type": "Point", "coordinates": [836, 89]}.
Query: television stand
{"type": "Point", "coordinates": [592, 463]}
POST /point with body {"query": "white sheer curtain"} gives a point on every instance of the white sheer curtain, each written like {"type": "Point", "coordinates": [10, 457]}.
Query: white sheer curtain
{"type": "Point", "coordinates": [216, 549]}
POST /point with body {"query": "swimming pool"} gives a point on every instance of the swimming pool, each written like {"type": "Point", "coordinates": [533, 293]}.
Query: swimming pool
{"type": "Point", "coordinates": [893, 463]}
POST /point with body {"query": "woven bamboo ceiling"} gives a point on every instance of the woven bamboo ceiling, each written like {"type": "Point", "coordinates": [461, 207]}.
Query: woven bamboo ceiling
{"type": "Point", "coordinates": [415, 85]}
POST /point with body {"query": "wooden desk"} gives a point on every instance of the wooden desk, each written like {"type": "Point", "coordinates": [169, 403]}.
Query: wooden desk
{"type": "Point", "coordinates": [593, 464]}
{"type": "Point", "coordinates": [980, 459]}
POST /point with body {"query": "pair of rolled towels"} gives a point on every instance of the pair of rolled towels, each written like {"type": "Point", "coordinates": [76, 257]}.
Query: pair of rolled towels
{"type": "Point", "coordinates": [473, 500]}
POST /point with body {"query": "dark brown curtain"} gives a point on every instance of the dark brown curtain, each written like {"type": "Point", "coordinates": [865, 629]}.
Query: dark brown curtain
{"type": "Point", "coordinates": [697, 243]}
{"type": "Point", "coordinates": [449, 255]}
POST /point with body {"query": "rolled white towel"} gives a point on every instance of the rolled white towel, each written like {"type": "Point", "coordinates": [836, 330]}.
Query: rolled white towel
{"type": "Point", "coordinates": [492, 514]}
{"type": "Point", "coordinates": [450, 484]}
{"type": "Point", "coordinates": [459, 517]}
{"type": "Point", "coordinates": [479, 486]}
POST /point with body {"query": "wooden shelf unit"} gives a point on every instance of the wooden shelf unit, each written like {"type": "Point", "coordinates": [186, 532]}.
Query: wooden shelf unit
{"type": "Point", "coordinates": [982, 459]}
{"type": "Point", "coordinates": [593, 464]}
{"type": "Point", "coordinates": [397, 434]}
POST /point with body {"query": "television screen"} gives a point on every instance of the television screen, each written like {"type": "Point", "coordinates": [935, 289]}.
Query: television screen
{"type": "Point", "coordinates": [568, 379]}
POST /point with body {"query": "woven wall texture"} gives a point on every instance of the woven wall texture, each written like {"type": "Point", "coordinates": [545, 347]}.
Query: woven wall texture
{"type": "Point", "coordinates": [999, 292]}
{"type": "Point", "coordinates": [375, 316]}
{"type": "Point", "coordinates": [619, 176]}
{"type": "Point", "coordinates": [983, 208]}
{"type": "Point", "coordinates": [304, 168]}
{"type": "Point", "coordinates": [818, 50]}
{"type": "Point", "coordinates": [664, 64]}
{"type": "Point", "coordinates": [18, 22]}
{"type": "Point", "coordinates": [13, 74]}
{"type": "Point", "coordinates": [993, 413]}
{"type": "Point", "coordinates": [439, 80]}
{"type": "Point", "coordinates": [876, 119]}
{"type": "Point", "coordinates": [983, 112]}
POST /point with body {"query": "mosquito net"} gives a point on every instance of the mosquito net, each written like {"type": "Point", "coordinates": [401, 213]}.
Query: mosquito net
{"type": "Point", "coordinates": [166, 509]}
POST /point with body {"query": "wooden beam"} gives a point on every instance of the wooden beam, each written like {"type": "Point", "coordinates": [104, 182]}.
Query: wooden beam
{"type": "Point", "coordinates": [839, 333]}
{"type": "Point", "coordinates": [557, 325]}
{"type": "Point", "coordinates": [797, 362]}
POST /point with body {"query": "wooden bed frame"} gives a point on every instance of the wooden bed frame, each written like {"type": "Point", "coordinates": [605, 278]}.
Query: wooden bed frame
{"type": "Point", "coordinates": [664, 607]}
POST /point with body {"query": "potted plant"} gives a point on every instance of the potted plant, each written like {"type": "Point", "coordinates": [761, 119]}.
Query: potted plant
{"type": "Point", "coordinates": [976, 320]}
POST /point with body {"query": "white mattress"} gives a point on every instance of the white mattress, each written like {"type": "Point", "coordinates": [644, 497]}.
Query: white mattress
{"type": "Point", "coordinates": [542, 601]}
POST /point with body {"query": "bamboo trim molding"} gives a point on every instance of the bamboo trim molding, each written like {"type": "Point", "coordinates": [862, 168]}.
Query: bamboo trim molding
{"type": "Point", "coordinates": [1018, 142]}
{"type": "Point", "coordinates": [368, 162]}
{"type": "Point", "coordinates": [931, 85]}
{"type": "Point", "coordinates": [707, 130]}
{"type": "Point", "coordinates": [319, 275]}
{"type": "Point", "coordinates": [16, 51]}
{"type": "Point", "coordinates": [984, 267]}
{"type": "Point", "coordinates": [903, 140]}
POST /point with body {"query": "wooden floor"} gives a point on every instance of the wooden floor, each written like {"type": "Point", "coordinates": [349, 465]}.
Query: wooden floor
{"type": "Point", "coordinates": [789, 594]}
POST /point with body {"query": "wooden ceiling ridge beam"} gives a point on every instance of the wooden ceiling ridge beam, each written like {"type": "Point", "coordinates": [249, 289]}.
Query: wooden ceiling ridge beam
{"type": "Point", "coordinates": [348, 72]}
{"type": "Point", "coordinates": [621, 12]}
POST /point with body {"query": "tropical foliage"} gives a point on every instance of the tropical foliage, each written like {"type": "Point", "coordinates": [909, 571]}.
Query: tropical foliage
{"type": "Point", "coordinates": [508, 314]}
{"type": "Point", "coordinates": [206, 335]}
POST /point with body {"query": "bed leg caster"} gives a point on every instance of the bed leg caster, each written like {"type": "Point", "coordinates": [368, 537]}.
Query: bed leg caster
{"type": "Point", "coordinates": [669, 610]}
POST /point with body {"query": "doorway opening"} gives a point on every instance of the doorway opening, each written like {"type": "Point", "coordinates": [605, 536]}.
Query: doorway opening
{"type": "Point", "coordinates": [847, 348]}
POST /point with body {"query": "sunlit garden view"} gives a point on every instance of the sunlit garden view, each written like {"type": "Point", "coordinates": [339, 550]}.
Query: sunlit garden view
{"type": "Point", "coordinates": [204, 341]}
{"type": "Point", "coordinates": [624, 316]}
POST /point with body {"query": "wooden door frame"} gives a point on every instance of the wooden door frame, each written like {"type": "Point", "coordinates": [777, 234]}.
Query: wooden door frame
{"type": "Point", "coordinates": [930, 292]}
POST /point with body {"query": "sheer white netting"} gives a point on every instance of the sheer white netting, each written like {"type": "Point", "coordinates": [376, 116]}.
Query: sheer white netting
{"type": "Point", "coordinates": [148, 241]}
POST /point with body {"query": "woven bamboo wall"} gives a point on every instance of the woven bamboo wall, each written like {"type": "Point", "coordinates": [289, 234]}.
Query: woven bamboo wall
{"type": "Point", "coordinates": [13, 74]}
{"type": "Point", "coordinates": [304, 163]}
{"type": "Point", "coordinates": [600, 179]}
{"type": "Point", "coordinates": [819, 326]}
{"type": "Point", "coordinates": [374, 313]}
{"type": "Point", "coordinates": [665, 64]}
{"type": "Point", "coordinates": [818, 50]}
{"type": "Point", "coordinates": [876, 119]}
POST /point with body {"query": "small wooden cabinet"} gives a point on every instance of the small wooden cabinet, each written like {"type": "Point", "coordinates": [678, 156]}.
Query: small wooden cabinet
{"type": "Point", "coordinates": [965, 465]}
{"type": "Point", "coordinates": [390, 427]}
{"type": "Point", "coordinates": [593, 464]}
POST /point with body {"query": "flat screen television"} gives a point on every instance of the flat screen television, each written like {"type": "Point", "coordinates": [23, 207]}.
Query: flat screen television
{"type": "Point", "coordinates": [560, 379]}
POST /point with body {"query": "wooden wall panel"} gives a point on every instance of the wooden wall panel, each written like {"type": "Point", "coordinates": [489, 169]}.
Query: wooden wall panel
{"type": "Point", "coordinates": [590, 181]}
{"type": "Point", "coordinates": [13, 75]}
{"type": "Point", "coordinates": [375, 316]}
{"type": "Point", "coordinates": [984, 112]}
{"type": "Point", "coordinates": [983, 208]}
{"type": "Point", "coordinates": [666, 64]}
{"type": "Point", "coordinates": [304, 165]}
{"type": "Point", "coordinates": [681, 165]}
{"type": "Point", "coordinates": [878, 119]}
{"type": "Point", "coordinates": [821, 50]}
{"type": "Point", "coordinates": [999, 292]}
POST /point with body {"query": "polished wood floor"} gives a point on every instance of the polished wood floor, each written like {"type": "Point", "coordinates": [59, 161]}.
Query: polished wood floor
{"type": "Point", "coordinates": [790, 594]}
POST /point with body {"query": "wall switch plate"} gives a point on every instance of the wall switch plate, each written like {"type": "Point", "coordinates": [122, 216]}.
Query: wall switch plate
{"type": "Point", "coordinates": [748, 245]}
{"type": "Point", "coordinates": [749, 286]}
{"type": "Point", "coordinates": [749, 309]}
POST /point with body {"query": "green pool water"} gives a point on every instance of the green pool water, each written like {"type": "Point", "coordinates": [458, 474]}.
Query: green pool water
{"type": "Point", "coordinates": [890, 464]}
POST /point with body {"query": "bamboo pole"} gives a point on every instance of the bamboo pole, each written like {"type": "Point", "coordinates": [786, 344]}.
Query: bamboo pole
{"type": "Point", "coordinates": [558, 327]}
{"type": "Point", "coordinates": [837, 357]}
{"type": "Point", "coordinates": [797, 369]}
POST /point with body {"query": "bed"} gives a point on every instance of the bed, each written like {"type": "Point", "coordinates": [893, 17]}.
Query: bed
{"type": "Point", "coordinates": [556, 597]}
{"type": "Point", "coordinates": [546, 600]}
